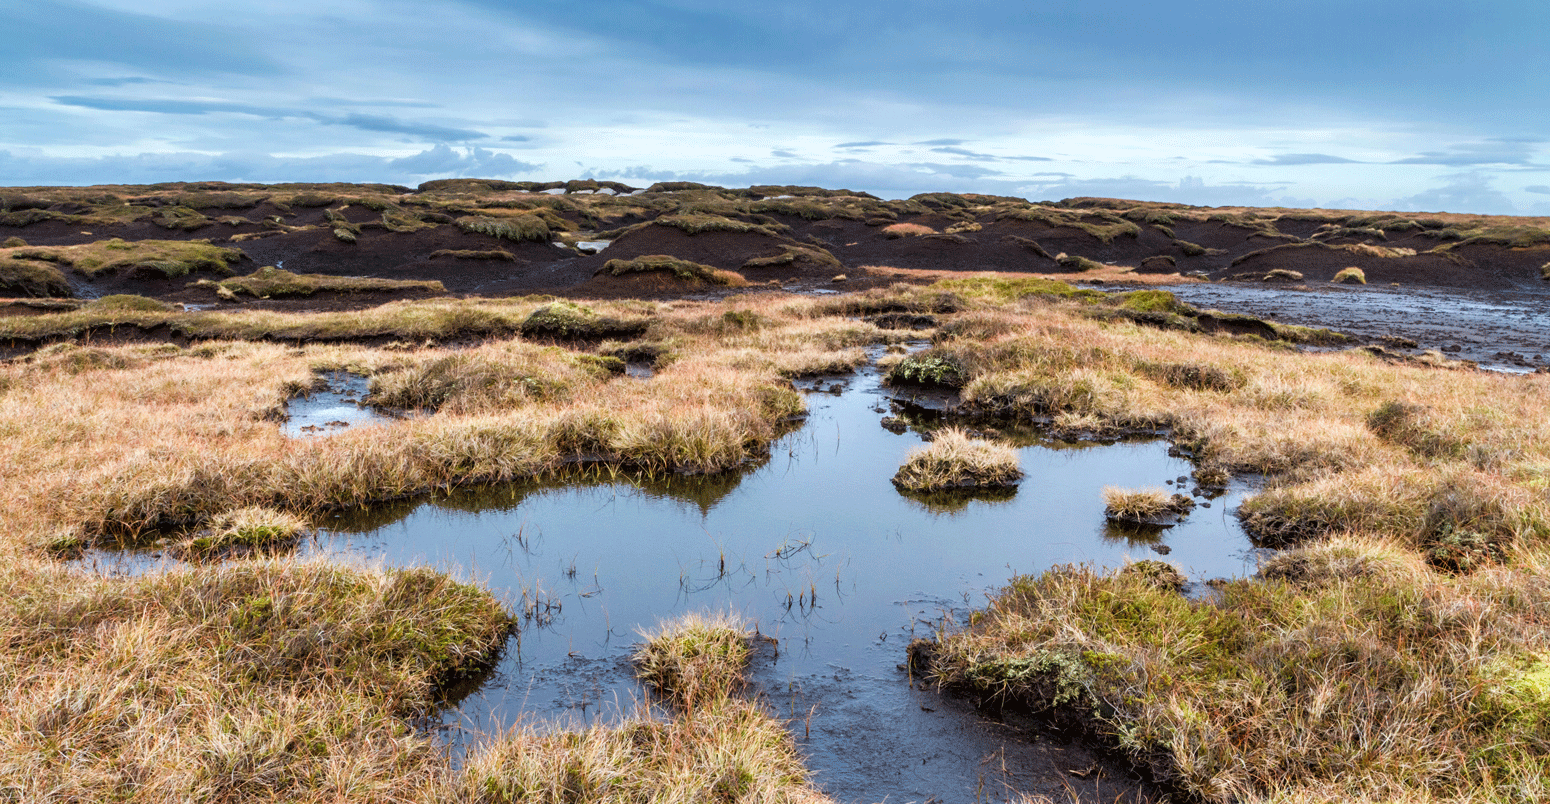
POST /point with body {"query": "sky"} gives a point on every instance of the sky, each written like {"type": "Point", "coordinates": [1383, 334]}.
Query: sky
{"type": "Point", "coordinates": [1350, 104]}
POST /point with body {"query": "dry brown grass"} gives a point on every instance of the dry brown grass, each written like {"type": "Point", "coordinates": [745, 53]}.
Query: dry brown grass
{"type": "Point", "coordinates": [956, 460]}
{"type": "Point", "coordinates": [895, 231]}
{"type": "Point", "coordinates": [1378, 666]}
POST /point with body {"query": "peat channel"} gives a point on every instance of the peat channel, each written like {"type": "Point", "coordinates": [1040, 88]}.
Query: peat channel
{"type": "Point", "coordinates": [818, 549]}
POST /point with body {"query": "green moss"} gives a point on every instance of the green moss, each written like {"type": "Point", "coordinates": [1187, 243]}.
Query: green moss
{"type": "Point", "coordinates": [568, 320]}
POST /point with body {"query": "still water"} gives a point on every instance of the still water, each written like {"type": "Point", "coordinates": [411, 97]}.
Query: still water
{"type": "Point", "coordinates": [816, 548]}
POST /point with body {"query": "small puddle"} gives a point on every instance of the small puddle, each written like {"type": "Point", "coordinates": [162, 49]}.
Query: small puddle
{"type": "Point", "coordinates": [818, 549]}
{"type": "Point", "coordinates": [331, 408]}
{"type": "Point", "coordinates": [591, 246]}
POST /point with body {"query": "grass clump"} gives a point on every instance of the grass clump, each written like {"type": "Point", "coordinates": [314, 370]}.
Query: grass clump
{"type": "Point", "coordinates": [897, 231]}
{"type": "Point", "coordinates": [695, 658]}
{"type": "Point", "coordinates": [34, 278]}
{"type": "Point", "coordinates": [492, 377]}
{"type": "Point", "coordinates": [1351, 276]}
{"type": "Point", "coordinates": [1151, 506]}
{"type": "Point", "coordinates": [567, 320]}
{"type": "Point", "coordinates": [682, 269]}
{"type": "Point", "coordinates": [248, 529]}
{"type": "Point", "coordinates": [474, 254]}
{"type": "Point", "coordinates": [1283, 275]}
{"type": "Point", "coordinates": [931, 367]}
{"type": "Point", "coordinates": [518, 228]}
{"type": "Point", "coordinates": [274, 283]}
{"type": "Point", "coordinates": [1077, 263]}
{"type": "Point", "coordinates": [126, 303]}
{"type": "Point", "coordinates": [693, 224]}
{"type": "Point", "coordinates": [1345, 676]}
{"type": "Point", "coordinates": [954, 460]}
{"type": "Point", "coordinates": [716, 746]}
{"type": "Point", "coordinates": [1003, 290]}
{"type": "Point", "coordinates": [164, 258]}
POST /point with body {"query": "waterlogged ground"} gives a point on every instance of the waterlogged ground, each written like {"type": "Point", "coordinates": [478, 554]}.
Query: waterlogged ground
{"type": "Point", "coordinates": [820, 551]}
{"type": "Point", "coordinates": [1502, 330]}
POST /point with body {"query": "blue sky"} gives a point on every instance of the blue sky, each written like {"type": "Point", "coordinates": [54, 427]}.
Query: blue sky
{"type": "Point", "coordinates": [1418, 105]}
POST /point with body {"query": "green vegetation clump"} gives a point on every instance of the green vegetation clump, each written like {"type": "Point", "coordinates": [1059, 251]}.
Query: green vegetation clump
{"type": "Point", "coordinates": [694, 659]}
{"type": "Point", "coordinates": [32, 278]}
{"type": "Point", "coordinates": [274, 283]}
{"type": "Point", "coordinates": [1102, 225]}
{"type": "Point", "coordinates": [126, 303]}
{"type": "Point", "coordinates": [954, 460]}
{"type": "Point", "coordinates": [252, 528]}
{"type": "Point", "coordinates": [1077, 263]}
{"type": "Point", "coordinates": [790, 255]}
{"type": "Point", "coordinates": [693, 224]}
{"type": "Point", "coordinates": [180, 218]}
{"type": "Point", "coordinates": [473, 254]}
{"type": "Point", "coordinates": [931, 367]}
{"type": "Point", "coordinates": [1000, 291]}
{"type": "Point", "coordinates": [493, 378]}
{"type": "Point", "coordinates": [1283, 275]}
{"type": "Point", "coordinates": [682, 269]}
{"type": "Point", "coordinates": [14, 242]}
{"type": "Point", "coordinates": [567, 320]}
{"type": "Point", "coordinates": [1351, 276]}
{"type": "Point", "coordinates": [518, 228]}
{"type": "Point", "coordinates": [165, 258]}
{"type": "Point", "coordinates": [1366, 653]}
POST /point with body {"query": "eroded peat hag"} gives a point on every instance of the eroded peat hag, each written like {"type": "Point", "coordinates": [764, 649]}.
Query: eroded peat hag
{"type": "Point", "coordinates": [1408, 499]}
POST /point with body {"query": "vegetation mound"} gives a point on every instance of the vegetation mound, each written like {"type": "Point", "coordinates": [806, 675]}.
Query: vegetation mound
{"type": "Point", "coordinates": [955, 460]}
{"type": "Point", "coordinates": [682, 269]}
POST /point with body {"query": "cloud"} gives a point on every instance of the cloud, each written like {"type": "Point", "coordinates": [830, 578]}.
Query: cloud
{"type": "Point", "coordinates": [964, 152]}
{"type": "Point", "coordinates": [866, 144]}
{"type": "Point", "coordinates": [943, 142]}
{"type": "Point", "coordinates": [1304, 159]}
{"type": "Point", "coordinates": [783, 154]}
{"type": "Point", "coordinates": [1462, 192]}
{"type": "Point", "coordinates": [441, 161]}
{"type": "Point", "coordinates": [1501, 151]}
{"type": "Point", "coordinates": [43, 34]}
{"type": "Point", "coordinates": [1538, 188]}
{"type": "Point", "coordinates": [364, 122]}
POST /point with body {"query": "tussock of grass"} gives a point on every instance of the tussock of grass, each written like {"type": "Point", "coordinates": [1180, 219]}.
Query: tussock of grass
{"type": "Point", "coordinates": [33, 278]}
{"type": "Point", "coordinates": [1351, 276]}
{"type": "Point", "coordinates": [565, 320]}
{"type": "Point", "coordinates": [1137, 505]}
{"type": "Point", "coordinates": [252, 528]}
{"type": "Point", "coordinates": [695, 659]}
{"type": "Point", "coordinates": [954, 460]}
{"type": "Point", "coordinates": [900, 230]}
{"type": "Point", "coordinates": [254, 680]}
{"type": "Point", "coordinates": [1077, 263]}
{"type": "Point", "coordinates": [683, 269]}
{"type": "Point", "coordinates": [1283, 275]}
{"type": "Point", "coordinates": [470, 254]}
{"type": "Point", "coordinates": [1361, 682]}
{"type": "Point", "coordinates": [1100, 224]}
{"type": "Point", "coordinates": [518, 228]}
{"type": "Point", "coordinates": [274, 283]}
{"type": "Point", "coordinates": [498, 376]}
{"type": "Point", "coordinates": [165, 258]}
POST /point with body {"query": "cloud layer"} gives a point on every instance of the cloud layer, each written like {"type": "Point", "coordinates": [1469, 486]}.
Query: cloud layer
{"type": "Point", "coordinates": [1042, 100]}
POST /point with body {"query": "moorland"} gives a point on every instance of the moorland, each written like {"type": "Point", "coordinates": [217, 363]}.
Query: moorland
{"type": "Point", "coordinates": [1391, 646]}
